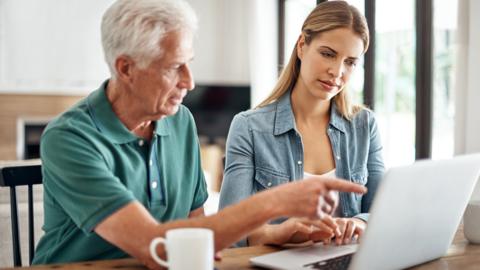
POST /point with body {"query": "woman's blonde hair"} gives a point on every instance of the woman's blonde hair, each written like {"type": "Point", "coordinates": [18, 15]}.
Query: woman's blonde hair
{"type": "Point", "coordinates": [326, 16]}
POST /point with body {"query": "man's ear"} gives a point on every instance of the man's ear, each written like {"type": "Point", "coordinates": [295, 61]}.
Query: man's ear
{"type": "Point", "coordinates": [300, 45]}
{"type": "Point", "coordinates": [124, 67]}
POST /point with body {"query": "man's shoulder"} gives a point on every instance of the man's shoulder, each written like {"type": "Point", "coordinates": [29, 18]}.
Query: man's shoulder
{"type": "Point", "coordinates": [76, 119]}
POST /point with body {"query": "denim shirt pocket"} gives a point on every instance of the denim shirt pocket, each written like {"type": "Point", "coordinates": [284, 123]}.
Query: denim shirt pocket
{"type": "Point", "coordinates": [266, 178]}
{"type": "Point", "coordinates": [359, 177]}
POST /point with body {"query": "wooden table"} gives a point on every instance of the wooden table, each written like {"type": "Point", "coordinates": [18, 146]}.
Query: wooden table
{"type": "Point", "coordinates": [461, 255]}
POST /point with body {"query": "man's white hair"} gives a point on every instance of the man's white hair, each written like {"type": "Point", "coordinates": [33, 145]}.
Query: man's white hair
{"type": "Point", "coordinates": [136, 28]}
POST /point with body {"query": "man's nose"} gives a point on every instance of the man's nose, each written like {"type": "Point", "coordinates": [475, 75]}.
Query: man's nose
{"type": "Point", "coordinates": [186, 78]}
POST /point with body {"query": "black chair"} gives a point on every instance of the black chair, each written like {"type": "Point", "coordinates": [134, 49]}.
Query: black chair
{"type": "Point", "coordinates": [21, 174]}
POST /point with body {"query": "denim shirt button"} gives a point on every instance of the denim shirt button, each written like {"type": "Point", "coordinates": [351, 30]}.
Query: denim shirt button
{"type": "Point", "coordinates": [299, 162]}
{"type": "Point", "coordinates": [269, 184]}
{"type": "Point", "coordinates": [338, 157]}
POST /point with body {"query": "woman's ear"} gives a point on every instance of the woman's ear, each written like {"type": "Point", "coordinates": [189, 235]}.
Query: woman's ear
{"type": "Point", "coordinates": [300, 45]}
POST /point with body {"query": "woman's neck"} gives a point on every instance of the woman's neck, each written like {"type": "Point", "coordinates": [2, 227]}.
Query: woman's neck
{"type": "Point", "coordinates": [308, 109]}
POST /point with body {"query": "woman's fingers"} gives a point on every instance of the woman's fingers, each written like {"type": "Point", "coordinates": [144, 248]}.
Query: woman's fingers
{"type": "Point", "coordinates": [341, 222]}
{"type": "Point", "coordinates": [359, 232]}
{"type": "Point", "coordinates": [349, 230]}
{"type": "Point", "coordinates": [330, 222]}
{"type": "Point", "coordinates": [303, 228]}
{"type": "Point", "coordinates": [323, 236]}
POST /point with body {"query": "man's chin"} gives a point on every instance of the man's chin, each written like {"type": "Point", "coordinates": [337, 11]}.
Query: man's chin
{"type": "Point", "coordinates": [172, 110]}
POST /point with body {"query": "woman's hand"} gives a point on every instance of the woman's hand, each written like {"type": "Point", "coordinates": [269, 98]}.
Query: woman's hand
{"type": "Point", "coordinates": [349, 228]}
{"type": "Point", "coordinates": [299, 230]}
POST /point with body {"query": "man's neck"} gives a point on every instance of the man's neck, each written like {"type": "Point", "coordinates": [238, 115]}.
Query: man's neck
{"type": "Point", "coordinates": [127, 110]}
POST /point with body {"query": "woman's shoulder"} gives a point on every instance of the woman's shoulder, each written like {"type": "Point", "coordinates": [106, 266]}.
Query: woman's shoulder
{"type": "Point", "coordinates": [364, 118]}
{"type": "Point", "coordinates": [261, 118]}
{"type": "Point", "coordinates": [363, 113]}
{"type": "Point", "coordinates": [260, 112]}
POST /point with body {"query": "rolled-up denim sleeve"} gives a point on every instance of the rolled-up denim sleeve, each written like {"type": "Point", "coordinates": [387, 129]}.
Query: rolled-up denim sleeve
{"type": "Point", "coordinates": [239, 166]}
{"type": "Point", "coordinates": [375, 167]}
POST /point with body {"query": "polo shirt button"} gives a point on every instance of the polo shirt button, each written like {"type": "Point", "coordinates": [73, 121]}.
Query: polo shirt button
{"type": "Point", "coordinates": [141, 142]}
{"type": "Point", "coordinates": [150, 162]}
{"type": "Point", "coordinates": [299, 162]}
{"type": "Point", "coordinates": [269, 184]}
{"type": "Point", "coordinates": [154, 184]}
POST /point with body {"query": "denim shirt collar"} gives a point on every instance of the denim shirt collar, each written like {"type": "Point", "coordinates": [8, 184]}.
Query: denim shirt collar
{"type": "Point", "coordinates": [285, 120]}
{"type": "Point", "coordinates": [336, 119]}
{"type": "Point", "coordinates": [108, 122]}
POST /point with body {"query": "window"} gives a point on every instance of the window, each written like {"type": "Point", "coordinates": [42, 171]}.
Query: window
{"type": "Point", "coordinates": [295, 13]}
{"type": "Point", "coordinates": [444, 26]}
{"type": "Point", "coordinates": [395, 80]}
{"type": "Point", "coordinates": [402, 107]}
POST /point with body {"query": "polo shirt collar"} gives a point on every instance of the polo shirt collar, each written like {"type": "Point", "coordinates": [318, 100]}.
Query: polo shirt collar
{"type": "Point", "coordinates": [108, 122]}
{"type": "Point", "coordinates": [162, 127]}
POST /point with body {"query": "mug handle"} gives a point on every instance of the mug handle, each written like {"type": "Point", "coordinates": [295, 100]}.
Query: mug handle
{"type": "Point", "coordinates": [153, 251]}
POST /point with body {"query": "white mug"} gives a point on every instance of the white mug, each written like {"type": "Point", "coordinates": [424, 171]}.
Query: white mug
{"type": "Point", "coordinates": [471, 222]}
{"type": "Point", "coordinates": [186, 248]}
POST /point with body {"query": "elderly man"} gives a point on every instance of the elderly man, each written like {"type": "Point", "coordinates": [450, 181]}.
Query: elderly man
{"type": "Point", "coordinates": [122, 166]}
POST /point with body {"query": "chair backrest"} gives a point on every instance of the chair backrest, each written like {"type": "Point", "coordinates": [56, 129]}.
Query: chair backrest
{"type": "Point", "coordinates": [12, 175]}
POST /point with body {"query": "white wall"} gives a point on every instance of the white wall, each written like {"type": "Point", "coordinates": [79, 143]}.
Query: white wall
{"type": "Point", "coordinates": [263, 44]}
{"type": "Point", "coordinates": [467, 119]}
{"type": "Point", "coordinates": [53, 46]}
{"type": "Point", "coordinates": [237, 44]}
{"type": "Point", "coordinates": [221, 47]}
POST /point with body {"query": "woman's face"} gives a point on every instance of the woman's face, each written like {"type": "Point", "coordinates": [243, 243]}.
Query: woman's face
{"type": "Point", "coordinates": [328, 62]}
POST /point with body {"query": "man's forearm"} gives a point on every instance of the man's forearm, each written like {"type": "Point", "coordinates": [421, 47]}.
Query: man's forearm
{"type": "Point", "coordinates": [132, 227]}
{"type": "Point", "coordinates": [233, 222]}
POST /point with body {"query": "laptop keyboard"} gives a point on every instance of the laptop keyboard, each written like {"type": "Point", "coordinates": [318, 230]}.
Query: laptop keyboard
{"type": "Point", "coordinates": [338, 263]}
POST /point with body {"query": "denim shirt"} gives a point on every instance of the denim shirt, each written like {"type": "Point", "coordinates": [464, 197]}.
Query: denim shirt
{"type": "Point", "coordinates": [264, 149]}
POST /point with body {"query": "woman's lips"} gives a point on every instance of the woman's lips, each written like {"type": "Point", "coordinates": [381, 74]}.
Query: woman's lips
{"type": "Point", "coordinates": [328, 86]}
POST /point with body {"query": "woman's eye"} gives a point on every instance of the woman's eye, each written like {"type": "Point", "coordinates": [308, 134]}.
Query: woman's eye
{"type": "Point", "coordinates": [328, 54]}
{"type": "Point", "coordinates": [351, 63]}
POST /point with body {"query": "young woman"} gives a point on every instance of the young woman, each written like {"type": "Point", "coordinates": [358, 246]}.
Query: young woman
{"type": "Point", "coordinates": [308, 127]}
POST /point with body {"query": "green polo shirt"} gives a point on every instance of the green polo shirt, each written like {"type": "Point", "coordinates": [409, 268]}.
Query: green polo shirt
{"type": "Point", "coordinates": [93, 165]}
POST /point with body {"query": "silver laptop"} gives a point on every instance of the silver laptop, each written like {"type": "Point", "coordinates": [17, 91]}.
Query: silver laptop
{"type": "Point", "coordinates": [414, 217]}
